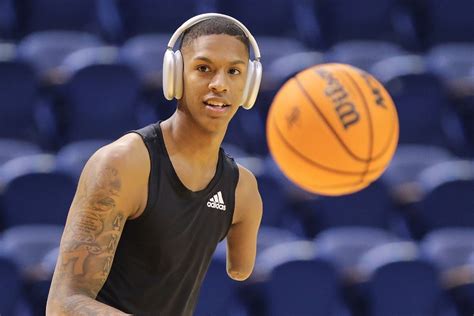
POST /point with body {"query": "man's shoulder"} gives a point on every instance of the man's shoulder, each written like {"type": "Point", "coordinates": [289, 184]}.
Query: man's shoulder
{"type": "Point", "coordinates": [245, 174]}
{"type": "Point", "coordinates": [248, 199]}
{"type": "Point", "coordinates": [247, 185]}
{"type": "Point", "coordinates": [129, 152]}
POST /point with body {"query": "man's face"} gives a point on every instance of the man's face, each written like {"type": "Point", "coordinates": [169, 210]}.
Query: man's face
{"type": "Point", "coordinates": [214, 74]}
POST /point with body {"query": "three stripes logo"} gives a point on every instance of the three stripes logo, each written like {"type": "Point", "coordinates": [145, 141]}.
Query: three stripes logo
{"type": "Point", "coordinates": [217, 202]}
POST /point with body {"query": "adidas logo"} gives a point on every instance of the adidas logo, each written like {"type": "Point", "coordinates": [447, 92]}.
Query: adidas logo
{"type": "Point", "coordinates": [217, 202]}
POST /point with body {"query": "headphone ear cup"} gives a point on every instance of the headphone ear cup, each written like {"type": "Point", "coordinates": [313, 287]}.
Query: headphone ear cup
{"type": "Point", "coordinates": [178, 75]}
{"type": "Point", "coordinates": [253, 85]}
{"type": "Point", "coordinates": [168, 74]}
{"type": "Point", "coordinates": [248, 82]}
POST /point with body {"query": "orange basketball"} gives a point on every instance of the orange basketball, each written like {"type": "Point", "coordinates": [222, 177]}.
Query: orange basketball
{"type": "Point", "coordinates": [332, 129]}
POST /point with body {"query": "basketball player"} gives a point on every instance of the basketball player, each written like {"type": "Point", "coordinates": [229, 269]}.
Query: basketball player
{"type": "Point", "coordinates": [151, 207]}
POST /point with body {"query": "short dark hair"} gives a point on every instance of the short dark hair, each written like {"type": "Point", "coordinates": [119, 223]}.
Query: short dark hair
{"type": "Point", "coordinates": [214, 25]}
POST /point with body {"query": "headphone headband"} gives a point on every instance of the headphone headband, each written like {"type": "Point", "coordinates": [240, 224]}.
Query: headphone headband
{"type": "Point", "coordinates": [173, 63]}
{"type": "Point", "coordinates": [206, 16]}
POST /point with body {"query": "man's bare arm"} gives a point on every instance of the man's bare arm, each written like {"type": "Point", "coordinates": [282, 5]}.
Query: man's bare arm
{"type": "Point", "coordinates": [242, 236]}
{"type": "Point", "coordinates": [93, 229]}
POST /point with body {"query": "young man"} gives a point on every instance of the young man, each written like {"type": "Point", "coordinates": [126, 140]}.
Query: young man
{"type": "Point", "coordinates": [151, 207]}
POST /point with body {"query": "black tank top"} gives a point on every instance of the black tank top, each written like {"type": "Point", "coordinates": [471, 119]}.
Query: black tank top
{"type": "Point", "coordinates": [163, 255]}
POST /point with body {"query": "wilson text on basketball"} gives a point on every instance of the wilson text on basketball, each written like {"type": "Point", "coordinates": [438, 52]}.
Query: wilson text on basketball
{"type": "Point", "coordinates": [345, 109]}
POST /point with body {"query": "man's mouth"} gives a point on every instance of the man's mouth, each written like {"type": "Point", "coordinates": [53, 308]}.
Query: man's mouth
{"type": "Point", "coordinates": [216, 104]}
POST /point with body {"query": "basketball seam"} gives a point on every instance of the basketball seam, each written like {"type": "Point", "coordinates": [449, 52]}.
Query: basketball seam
{"type": "Point", "coordinates": [313, 103]}
{"type": "Point", "coordinates": [387, 144]}
{"type": "Point", "coordinates": [373, 159]}
{"type": "Point", "coordinates": [308, 160]}
{"type": "Point", "coordinates": [369, 118]}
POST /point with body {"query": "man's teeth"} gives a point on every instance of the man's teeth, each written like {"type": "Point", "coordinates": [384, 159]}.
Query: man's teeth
{"type": "Point", "coordinates": [219, 104]}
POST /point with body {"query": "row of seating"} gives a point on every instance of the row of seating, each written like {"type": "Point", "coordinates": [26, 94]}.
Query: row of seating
{"type": "Point", "coordinates": [343, 271]}
{"type": "Point", "coordinates": [47, 51]}
{"type": "Point", "coordinates": [320, 23]}
{"type": "Point", "coordinates": [103, 95]}
{"type": "Point", "coordinates": [411, 199]}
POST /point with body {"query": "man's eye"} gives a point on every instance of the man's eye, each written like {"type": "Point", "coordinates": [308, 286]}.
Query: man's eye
{"type": "Point", "coordinates": [203, 69]}
{"type": "Point", "coordinates": [234, 71]}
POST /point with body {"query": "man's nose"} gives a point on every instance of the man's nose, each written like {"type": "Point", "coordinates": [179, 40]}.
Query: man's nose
{"type": "Point", "coordinates": [218, 83]}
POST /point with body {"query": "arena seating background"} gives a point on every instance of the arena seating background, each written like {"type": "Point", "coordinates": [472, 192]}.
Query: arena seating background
{"type": "Point", "coordinates": [77, 74]}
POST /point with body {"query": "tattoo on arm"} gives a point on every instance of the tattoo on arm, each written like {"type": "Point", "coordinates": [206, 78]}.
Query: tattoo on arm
{"type": "Point", "coordinates": [89, 243]}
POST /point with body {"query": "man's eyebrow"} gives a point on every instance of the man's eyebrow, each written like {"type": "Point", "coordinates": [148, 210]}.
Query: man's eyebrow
{"type": "Point", "coordinates": [236, 62]}
{"type": "Point", "coordinates": [207, 60]}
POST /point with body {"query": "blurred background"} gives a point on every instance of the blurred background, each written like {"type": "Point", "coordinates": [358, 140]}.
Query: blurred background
{"type": "Point", "coordinates": [77, 74]}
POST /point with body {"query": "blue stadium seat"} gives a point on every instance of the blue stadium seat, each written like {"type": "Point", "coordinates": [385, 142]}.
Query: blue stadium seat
{"type": "Point", "coordinates": [462, 290]}
{"type": "Point", "coordinates": [36, 162]}
{"type": "Point", "coordinates": [370, 207]}
{"type": "Point", "coordinates": [272, 48]}
{"type": "Point", "coordinates": [49, 260]}
{"type": "Point", "coordinates": [447, 201]}
{"type": "Point", "coordinates": [344, 246]}
{"type": "Point", "coordinates": [343, 20]}
{"type": "Point", "coordinates": [218, 294]}
{"type": "Point", "coordinates": [363, 54]}
{"type": "Point", "coordinates": [247, 130]}
{"type": "Point", "coordinates": [270, 254]}
{"type": "Point", "coordinates": [10, 286]}
{"type": "Point", "coordinates": [72, 158]}
{"type": "Point", "coordinates": [38, 285]}
{"type": "Point", "coordinates": [279, 20]}
{"type": "Point", "coordinates": [464, 98]}
{"type": "Point", "coordinates": [402, 283]}
{"type": "Point", "coordinates": [269, 236]}
{"type": "Point", "coordinates": [421, 115]}
{"type": "Point", "coordinates": [401, 175]}
{"type": "Point", "coordinates": [17, 109]}
{"type": "Point", "coordinates": [43, 15]}
{"type": "Point", "coordinates": [282, 252]}
{"type": "Point", "coordinates": [463, 296]}
{"type": "Point", "coordinates": [304, 287]}
{"type": "Point", "coordinates": [37, 198]}
{"type": "Point", "coordinates": [444, 22]}
{"type": "Point", "coordinates": [150, 16]}
{"type": "Point", "coordinates": [27, 245]}
{"type": "Point", "coordinates": [36, 295]}
{"type": "Point", "coordinates": [452, 61]}
{"type": "Point", "coordinates": [275, 200]}
{"type": "Point", "coordinates": [7, 18]}
{"type": "Point", "coordinates": [449, 247]}
{"type": "Point", "coordinates": [100, 94]}
{"type": "Point", "coordinates": [145, 54]}
{"type": "Point", "coordinates": [404, 288]}
{"type": "Point", "coordinates": [12, 148]}
{"type": "Point", "coordinates": [410, 160]}
{"type": "Point", "coordinates": [444, 172]}
{"type": "Point", "coordinates": [37, 289]}
{"type": "Point", "coordinates": [46, 50]}
{"type": "Point", "coordinates": [280, 69]}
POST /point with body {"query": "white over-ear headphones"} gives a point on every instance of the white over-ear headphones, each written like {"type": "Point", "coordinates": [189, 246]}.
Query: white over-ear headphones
{"type": "Point", "coordinates": [173, 63]}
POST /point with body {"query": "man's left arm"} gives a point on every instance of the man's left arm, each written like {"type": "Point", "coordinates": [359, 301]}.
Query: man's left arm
{"type": "Point", "coordinates": [242, 236]}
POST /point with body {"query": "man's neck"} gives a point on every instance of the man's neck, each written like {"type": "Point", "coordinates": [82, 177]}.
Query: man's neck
{"type": "Point", "coordinates": [185, 138]}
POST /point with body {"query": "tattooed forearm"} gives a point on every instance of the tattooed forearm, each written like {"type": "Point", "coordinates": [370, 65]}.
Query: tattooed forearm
{"type": "Point", "coordinates": [89, 242]}
{"type": "Point", "coordinates": [84, 306]}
